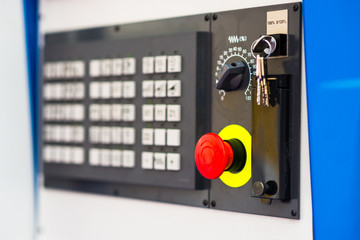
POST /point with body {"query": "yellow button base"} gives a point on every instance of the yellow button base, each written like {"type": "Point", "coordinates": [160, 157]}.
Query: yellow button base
{"type": "Point", "coordinates": [239, 179]}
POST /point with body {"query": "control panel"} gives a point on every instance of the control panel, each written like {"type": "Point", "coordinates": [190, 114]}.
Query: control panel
{"type": "Point", "coordinates": [201, 110]}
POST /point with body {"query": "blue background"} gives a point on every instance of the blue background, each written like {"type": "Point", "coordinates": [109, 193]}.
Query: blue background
{"type": "Point", "coordinates": [332, 35]}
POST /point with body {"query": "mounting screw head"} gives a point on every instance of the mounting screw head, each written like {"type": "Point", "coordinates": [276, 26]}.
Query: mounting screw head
{"type": "Point", "coordinates": [207, 17]}
{"type": "Point", "coordinates": [215, 16]}
{"type": "Point", "coordinates": [293, 212]}
{"type": "Point", "coordinates": [213, 203]}
{"type": "Point", "coordinates": [295, 7]}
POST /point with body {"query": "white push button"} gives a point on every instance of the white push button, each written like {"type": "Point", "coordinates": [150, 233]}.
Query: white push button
{"type": "Point", "coordinates": [79, 91]}
{"type": "Point", "coordinates": [173, 113]}
{"type": "Point", "coordinates": [148, 89]}
{"type": "Point", "coordinates": [47, 133]}
{"type": "Point", "coordinates": [48, 91]}
{"type": "Point", "coordinates": [79, 69]}
{"type": "Point", "coordinates": [105, 135]}
{"type": "Point", "coordinates": [128, 158]}
{"type": "Point", "coordinates": [116, 90]}
{"type": "Point", "coordinates": [105, 157]}
{"type": "Point", "coordinates": [128, 112]}
{"type": "Point", "coordinates": [148, 112]}
{"type": "Point", "coordinates": [159, 161]}
{"type": "Point", "coordinates": [58, 91]}
{"type": "Point", "coordinates": [160, 136]}
{"type": "Point", "coordinates": [128, 135]}
{"type": "Point", "coordinates": [94, 157]}
{"type": "Point", "coordinates": [174, 88]}
{"type": "Point", "coordinates": [147, 136]}
{"type": "Point", "coordinates": [116, 135]}
{"type": "Point", "coordinates": [78, 133]}
{"type": "Point", "coordinates": [129, 66]}
{"type": "Point", "coordinates": [116, 158]}
{"type": "Point", "coordinates": [69, 112]}
{"type": "Point", "coordinates": [160, 88]}
{"type": "Point", "coordinates": [68, 133]}
{"type": "Point", "coordinates": [95, 112]}
{"type": "Point", "coordinates": [105, 90]}
{"type": "Point", "coordinates": [173, 137]}
{"type": "Point", "coordinates": [173, 161]}
{"type": "Point", "coordinates": [46, 71]}
{"type": "Point", "coordinates": [129, 89]}
{"type": "Point", "coordinates": [67, 155]}
{"type": "Point", "coordinates": [78, 112]}
{"type": "Point", "coordinates": [54, 154]}
{"type": "Point", "coordinates": [78, 155]}
{"type": "Point", "coordinates": [61, 152]}
{"type": "Point", "coordinates": [148, 65]}
{"type": "Point", "coordinates": [160, 64]}
{"type": "Point", "coordinates": [94, 68]}
{"type": "Point", "coordinates": [47, 153]}
{"type": "Point", "coordinates": [160, 112]}
{"type": "Point", "coordinates": [147, 160]}
{"type": "Point", "coordinates": [106, 67]}
{"type": "Point", "coordinates": [95, 90]}
{"type": "Point", "coordinates": [95, 134]}
{"type": "Point", "coordinates": [116, 110]}
{"type": "Point", "coordinates": [105, 112]}
{"type": "Point", "coordinates": [61, 69]}
{"type": "Point", "coordinates": [174, 63]}
{"type": "Point", "coordinates": [117, 67]}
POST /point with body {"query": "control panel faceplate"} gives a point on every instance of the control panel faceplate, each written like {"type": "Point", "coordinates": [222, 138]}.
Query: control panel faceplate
{"type": "Point", "coordinates": [123, 108]}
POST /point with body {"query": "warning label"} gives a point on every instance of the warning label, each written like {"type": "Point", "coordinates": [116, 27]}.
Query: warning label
{"type": "Point", "coordinates": [277, 22]}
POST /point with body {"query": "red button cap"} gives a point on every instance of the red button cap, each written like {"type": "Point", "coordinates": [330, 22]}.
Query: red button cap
{"type": "Point", "coordinates": [213, 155]}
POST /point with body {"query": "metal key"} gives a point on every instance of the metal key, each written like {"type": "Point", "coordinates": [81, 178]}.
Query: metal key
{"type": "Point", "coordinates": [258, 79]}
{"type": "Point", "coordinates": [265, 87]}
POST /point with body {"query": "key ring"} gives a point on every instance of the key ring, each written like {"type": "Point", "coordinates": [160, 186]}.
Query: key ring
{"type": "Point", "coordinates": [271, 44]}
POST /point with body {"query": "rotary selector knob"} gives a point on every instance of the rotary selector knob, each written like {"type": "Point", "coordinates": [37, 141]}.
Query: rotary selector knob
{"type": "Point", "coordinates": [214, 155]}
{"type": "Point", "coordinates": [231, 76]}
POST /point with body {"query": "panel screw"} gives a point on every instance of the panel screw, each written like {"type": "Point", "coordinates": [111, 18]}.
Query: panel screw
{"type": "Point", "coordinates": [295, 7]}
{"type": "Point", "coordinates": [205, 202]}
{"type": "Point", "coordinates": [207, 17]}
{"type": "Point", "coordinates": [293, 213]}
{"type": "Point", "coordinates": [213, 203]}
{"type": "Point", "coordinates": [117, 28]}
{"type": "Point", "coordinates": [115, 192]}
{"type": "Point", "coordinates": [215, 16]}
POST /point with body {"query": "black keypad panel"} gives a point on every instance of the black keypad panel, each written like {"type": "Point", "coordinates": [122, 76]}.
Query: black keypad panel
{"type": "Point", "coordinates": [123, 110]}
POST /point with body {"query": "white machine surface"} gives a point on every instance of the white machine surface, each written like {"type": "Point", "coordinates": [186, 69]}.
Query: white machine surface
{"type": "Point", "coordinates": [71, 215]}
{"type": "Point", "coordinates": [16, 171]}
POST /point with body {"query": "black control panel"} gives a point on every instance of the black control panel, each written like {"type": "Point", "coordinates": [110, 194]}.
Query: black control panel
{"type": "Point", "coordinates": [123, 108]}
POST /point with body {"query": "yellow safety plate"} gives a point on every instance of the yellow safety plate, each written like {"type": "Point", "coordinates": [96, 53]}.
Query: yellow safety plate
{"type": "Point", "coordinates": [239, 179]}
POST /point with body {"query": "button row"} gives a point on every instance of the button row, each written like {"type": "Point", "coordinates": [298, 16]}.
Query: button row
{"type": "Point", "coordinates": [63, 154]}
{"type": "Point", "coordinates": [112, 158]}
{"type": "Point", "coordinates": [160, 161]}
{"type": "Point", "coordinates": [161, 112]}
{"type": "Point", "coordinates": [159, 88]}
{"type": "Point", "coordinates": [112, 67]}
{"type": "Point", "coordinates": [161, 137]}
{"type": "Point", "coordinates": [63, 112]}
{"type": "Point", "coordinates": [67, 69]}
{"type": "Point", "coordinates": [64, 91]}
{"type": "Point", "coordinates": [161, 64]}
{"type": "Point", "coordinates": [115, 135]}
{"type": "Point", "coordinates": [107, 90]}
{"type": "Point", "coordinates": [63, 133]}
{"type": "Point", "coordinates": [112, 112]}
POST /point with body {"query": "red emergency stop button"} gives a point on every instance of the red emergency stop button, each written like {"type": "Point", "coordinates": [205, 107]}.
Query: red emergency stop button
{"type": "Point", "coordinates": [213, 155]}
